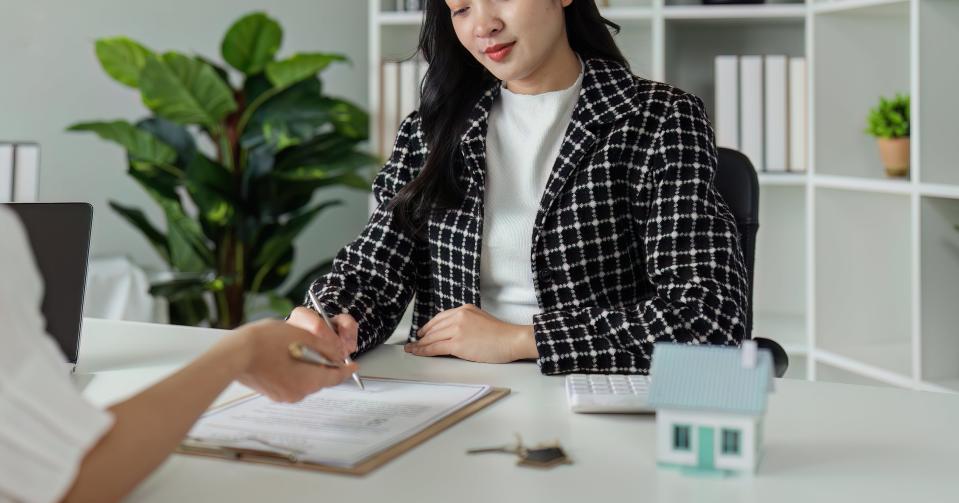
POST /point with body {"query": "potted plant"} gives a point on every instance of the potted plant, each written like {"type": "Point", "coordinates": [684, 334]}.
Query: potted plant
{"type": "Point", "coordinates": [889, 123]}
{"type": "Point", "coordinates": [233, 157]}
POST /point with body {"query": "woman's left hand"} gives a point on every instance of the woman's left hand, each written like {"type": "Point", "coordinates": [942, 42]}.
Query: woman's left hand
{"type": "Point", "coordinates": [472, 334]}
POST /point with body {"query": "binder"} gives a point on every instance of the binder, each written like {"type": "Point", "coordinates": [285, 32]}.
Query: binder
{"type": "Point", "coordinates": [362, 468]}
{"type": "Point", "coordinates": [390, 115]}
{"type": "Point", "coordinates": [26, 173]}
{"type": "Point", "coordinates": [798, 116]}
{"type": "Point", "coordinates": [776, 112]}
{"type": "Point", "coordinates": [6, 172]}
{"type": "Point", "coordinates": [727, 101]}
{"type": "Point", "coordinates": [409, 90]}
{"type": "Point", "coordinates": [751, 110]}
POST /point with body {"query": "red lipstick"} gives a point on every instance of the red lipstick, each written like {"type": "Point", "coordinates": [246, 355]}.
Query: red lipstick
{"type": "Point", "coordinates": [499, 52]}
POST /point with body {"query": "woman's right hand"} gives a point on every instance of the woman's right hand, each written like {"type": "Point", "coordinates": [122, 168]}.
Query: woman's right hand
{"type": "Point", "coordinates": [261, 350]}
{"type": "Point", "coordinates": [344, 324]}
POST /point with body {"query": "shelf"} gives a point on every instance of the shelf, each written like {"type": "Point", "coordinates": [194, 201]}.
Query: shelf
{"type": "Point", "coordinates": [948, 386]}
{"type": "Point", "coordinates": [735, 12]}
{"type": "Point", "coordinates": [863, 277]}
{"type": "Point", "coordinates": [856, 60]}
{"type": "Point", "coordinates": [783, 179]}
{"type": "Point", "coordinates": [844, 6]}
{"type": "Point", "coordinates": [779, 283]}
{"type": "Point", "coordinates": [945, 191]}
{"type": "Point", "coordinates": [690, 50]}
{"type": "Point", "coordinates": [881, 186]}
{"type": "Point", "coordinates": [887, 363]}
{"type": "Point", "coordinates": [938, 80]}
{"type": "Point", "coordinates": [939, 288]}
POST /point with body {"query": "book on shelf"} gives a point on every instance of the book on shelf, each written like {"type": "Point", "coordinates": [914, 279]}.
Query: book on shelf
{"type": "Point", "coordinates": [389, 113]}
{"type": "Point", "coordinates": [751, 110]}
{"type": "Point", "coordinates": [727, 102]}
{"type": "Point", "coordinates": [776, 113]}
{"type": "Point", "coordinates": [19, 172]}
{"type": "Point", "coordinates": [399, 96]}
{"type": "Point", "coordinates": [409, 88]}
{"type": "Point", "coordinates": [761, 110]}
{"type": "Point", "coordinates": [6, 172]}
{"type": "Point", "coordinates": [798, 115]}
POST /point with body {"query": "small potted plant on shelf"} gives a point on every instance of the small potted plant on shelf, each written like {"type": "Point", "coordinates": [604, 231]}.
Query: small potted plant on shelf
{"type": "Point", "coordinates": [889, 123]}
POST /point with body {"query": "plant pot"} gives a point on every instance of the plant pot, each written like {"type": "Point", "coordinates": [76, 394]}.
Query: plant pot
{"type": "Point", "coordinates": [895, 155]}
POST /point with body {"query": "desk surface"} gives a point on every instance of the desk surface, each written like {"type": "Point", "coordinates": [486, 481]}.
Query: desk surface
{"type": "Point", "coordinates": [824, 441]}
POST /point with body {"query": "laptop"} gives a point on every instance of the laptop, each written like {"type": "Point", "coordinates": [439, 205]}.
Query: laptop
{"type": "Point", "coordinates": [59, 235]}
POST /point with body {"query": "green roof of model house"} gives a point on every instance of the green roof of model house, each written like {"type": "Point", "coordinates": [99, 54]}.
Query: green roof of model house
{"type": "Point", "coordinates": [709, 378]}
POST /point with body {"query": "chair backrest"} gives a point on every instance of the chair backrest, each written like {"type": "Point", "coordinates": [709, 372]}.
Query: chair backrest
{"type": "Point", "coordinates": [738, 184]}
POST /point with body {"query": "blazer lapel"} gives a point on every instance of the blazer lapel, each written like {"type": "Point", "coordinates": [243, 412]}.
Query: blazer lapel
{"type": "Point", "coordinates": [605, 96]}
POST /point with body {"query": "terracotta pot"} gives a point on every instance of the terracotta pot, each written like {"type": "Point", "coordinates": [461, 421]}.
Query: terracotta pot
{"type": "Point", "coordinates": [895, 155]}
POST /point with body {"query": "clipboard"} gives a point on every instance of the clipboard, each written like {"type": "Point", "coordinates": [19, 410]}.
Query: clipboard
{"type": "Point", "coordinates": [364, 467]}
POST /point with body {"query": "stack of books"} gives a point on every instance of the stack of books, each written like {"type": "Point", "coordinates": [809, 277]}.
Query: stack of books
{"type": "Point", "coordinates": [399, 96]}
{"type": "Point", "coordinates": [761, 110]}
{"type": "Point", "coordinates": [19, 172]}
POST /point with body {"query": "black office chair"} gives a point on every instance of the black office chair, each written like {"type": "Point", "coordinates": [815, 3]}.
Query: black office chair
{"type": "Point", "coordinates": [738, 184]}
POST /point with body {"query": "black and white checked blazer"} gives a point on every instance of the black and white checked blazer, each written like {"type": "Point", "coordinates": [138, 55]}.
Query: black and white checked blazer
{"type": "Point", "coordinates": [631, 245]}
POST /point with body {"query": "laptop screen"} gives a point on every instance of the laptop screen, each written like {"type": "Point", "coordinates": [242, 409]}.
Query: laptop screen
{"type": "Point", "coordinates": [59, 235]}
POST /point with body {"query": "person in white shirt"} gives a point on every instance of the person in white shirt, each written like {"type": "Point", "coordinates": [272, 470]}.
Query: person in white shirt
{"type": "Point", "coordinates": [56, 446]}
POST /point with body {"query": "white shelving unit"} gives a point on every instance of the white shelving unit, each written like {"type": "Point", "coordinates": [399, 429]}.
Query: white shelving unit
{"type": "Point", "coordinates": [857, 275]}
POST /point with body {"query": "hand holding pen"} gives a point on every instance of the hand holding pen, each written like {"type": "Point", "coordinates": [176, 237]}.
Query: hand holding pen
{"type": "Point", "coordinates": [311, 320]}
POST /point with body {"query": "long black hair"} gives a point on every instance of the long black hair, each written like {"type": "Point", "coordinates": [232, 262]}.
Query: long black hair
{"type": "Point", "coordinates": [454, 82]}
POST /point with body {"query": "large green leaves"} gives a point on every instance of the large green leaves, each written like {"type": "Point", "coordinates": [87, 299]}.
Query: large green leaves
{"type": "Point", "coordinates": [136, 218]}
{"type": "Point", "coordinates": [251, 43]}
{"type": "Point", "coordinates": [299, 67]}
{"type": "Point", "coordinates": [171, 134]}
{"type": "Point", "coordinates": [232, 220]}
{"type": "Point", "coordinates": [140, 144]}
{"type": "Point", "coordinates": [277, 250]}
{"type": "Point", "coordinates": [185, 90]}
{"type": "Point", "coordinates": [122, 59]}
{"type": "Point", "coordinates": [288, 118]}
{"type": "Point", "coordinates": [210, 186]}
{"type": "Point", "coordinates": [348, 119]}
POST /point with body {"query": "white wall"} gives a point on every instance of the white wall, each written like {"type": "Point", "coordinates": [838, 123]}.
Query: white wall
{"type": "Point", "coordinates": [50, 78]}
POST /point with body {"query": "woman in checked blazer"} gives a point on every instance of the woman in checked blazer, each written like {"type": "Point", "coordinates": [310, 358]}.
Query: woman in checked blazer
{"type": "Point", "coordinates": [543, 203]}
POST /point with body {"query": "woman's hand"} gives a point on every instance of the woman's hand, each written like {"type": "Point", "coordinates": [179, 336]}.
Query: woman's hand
{"type": "Point", "coordinates": [472, 334]}
{"type": "Point", "coordinates": [344, 324]}
{"type": "Point", "coordinates": [261, 352]}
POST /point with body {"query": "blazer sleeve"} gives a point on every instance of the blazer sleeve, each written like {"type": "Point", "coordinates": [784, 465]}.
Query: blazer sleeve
{"type": "Point", "coordinates": [372, 278]}
{"type": "Point", "coordinates": [692, 257]}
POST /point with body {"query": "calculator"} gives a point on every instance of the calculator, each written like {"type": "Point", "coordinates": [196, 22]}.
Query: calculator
{"type": "Point", "coordinates": [608, 393]}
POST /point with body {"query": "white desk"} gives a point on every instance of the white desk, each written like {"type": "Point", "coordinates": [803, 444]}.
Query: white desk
{"type": "Point", "coordinates": [824, 442]}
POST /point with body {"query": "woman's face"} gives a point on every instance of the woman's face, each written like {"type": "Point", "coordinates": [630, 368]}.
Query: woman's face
{"type": "Point", "coordinates": [511, 38]}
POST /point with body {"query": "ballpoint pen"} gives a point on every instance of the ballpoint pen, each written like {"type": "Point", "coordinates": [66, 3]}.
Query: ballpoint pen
{"type": "Point", "coordinates": [322, 313]}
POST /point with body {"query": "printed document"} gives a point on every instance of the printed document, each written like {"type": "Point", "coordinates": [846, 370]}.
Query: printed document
{"type": "Point", "coordinates": [339, 426]}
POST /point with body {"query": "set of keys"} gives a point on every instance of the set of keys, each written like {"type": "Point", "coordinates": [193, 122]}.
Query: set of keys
{"type": "Point", "coordinates": [541, 456]}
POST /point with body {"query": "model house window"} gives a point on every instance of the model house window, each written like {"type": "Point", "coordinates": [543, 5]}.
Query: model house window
{"type": "Point", "coordinates": [730, 441]}
{"type": "Point", "coordinates": [680, 437]}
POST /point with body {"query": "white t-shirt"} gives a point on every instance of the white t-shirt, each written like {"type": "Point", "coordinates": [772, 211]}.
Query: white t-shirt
{"type": "Point", "coordinates": [522, 142]}
{"type": "Point", "coordinates": [46, 426]}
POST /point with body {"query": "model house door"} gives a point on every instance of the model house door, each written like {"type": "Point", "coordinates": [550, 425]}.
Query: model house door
{"type": "Point", "coordinates": [705, 447]}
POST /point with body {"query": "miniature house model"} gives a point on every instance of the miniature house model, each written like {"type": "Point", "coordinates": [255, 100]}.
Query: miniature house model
{"type": "Point", "coordinates": [710, 402]}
